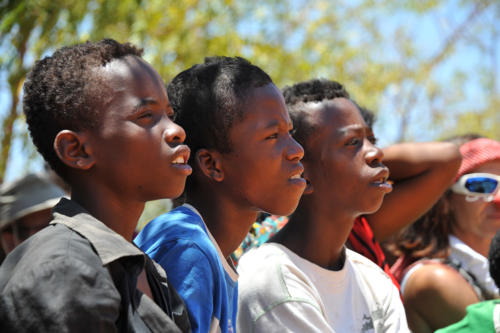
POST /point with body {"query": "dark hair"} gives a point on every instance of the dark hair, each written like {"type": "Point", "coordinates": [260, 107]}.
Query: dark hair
{"type": "Point", "coordinates": [428, 236]}
{"type": "Point", "coordinates": [367, 114]}
{"type": "Point", "coordinates": [461, 139]}
{"type": "Point", "coordinates": [62, 90]}
{"type": "Point", "coordinates": [315, 90]}
{"type": "Point", "coordinates": [207, 99]}
{"type": "Point", "coordinates": [494, 258]}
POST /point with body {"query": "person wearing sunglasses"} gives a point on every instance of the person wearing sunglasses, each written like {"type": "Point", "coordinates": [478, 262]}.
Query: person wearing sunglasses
{"type": "Point", "coordinates": [477, 186]}
{"type": "Point", "coordinates": [443, 264]}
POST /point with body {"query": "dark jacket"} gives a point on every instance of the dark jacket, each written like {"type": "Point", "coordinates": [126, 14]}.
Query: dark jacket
{"type": "Point", "coordinates": [77, 275]}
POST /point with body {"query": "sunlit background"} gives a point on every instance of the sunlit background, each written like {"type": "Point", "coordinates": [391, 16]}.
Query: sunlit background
{"type": "Point", "coordinates": [428, 69]}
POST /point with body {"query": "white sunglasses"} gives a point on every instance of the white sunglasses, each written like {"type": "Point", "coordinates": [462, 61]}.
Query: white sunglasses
{"type": "Point", "coordinates": [477, 186]}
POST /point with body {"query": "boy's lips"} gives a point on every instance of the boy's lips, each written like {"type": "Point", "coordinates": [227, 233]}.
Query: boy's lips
{"type": "Point", "coordinates": [381, 181]}
{"type": "Point", "coordinates": [180, 158]}
{"type": "Point", "coordinates": [296, 176]}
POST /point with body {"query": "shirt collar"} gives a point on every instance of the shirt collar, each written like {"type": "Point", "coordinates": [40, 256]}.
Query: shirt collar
{"type": "Point", "coordinates": [194, 210]}
{"type": "Point", "coordinates": [109, 245]}
{"type": "Point", "coordinates": [472, 262]}
{"type": "Point", "coordinates": [229, 268]}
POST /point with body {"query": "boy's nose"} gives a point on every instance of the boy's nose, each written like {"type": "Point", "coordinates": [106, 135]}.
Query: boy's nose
{"type": "Point", "coordinates": [294, 150]}
{"type": "Point", "coordinates": [374, 155]}
{"type": "Point", "coordinates": [174, 133]}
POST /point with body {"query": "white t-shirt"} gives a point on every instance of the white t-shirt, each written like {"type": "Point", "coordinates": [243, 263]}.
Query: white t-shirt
{"type": "Point", "coordinates": [282, 292]}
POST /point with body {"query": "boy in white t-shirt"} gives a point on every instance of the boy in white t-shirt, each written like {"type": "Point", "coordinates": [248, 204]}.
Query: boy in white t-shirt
{"type": "Point", "coordinates": [305, 280]}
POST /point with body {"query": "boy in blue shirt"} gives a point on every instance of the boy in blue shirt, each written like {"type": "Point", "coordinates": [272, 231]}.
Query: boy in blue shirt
{"type": "Point", "coordinates": [244, 161]}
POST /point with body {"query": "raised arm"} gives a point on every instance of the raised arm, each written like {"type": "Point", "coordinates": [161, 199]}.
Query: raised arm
{"type": "Point", "coordinates": [421, 173]}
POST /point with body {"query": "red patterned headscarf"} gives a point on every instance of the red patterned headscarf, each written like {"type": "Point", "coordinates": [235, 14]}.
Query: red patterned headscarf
{"type": "Point", "coordinates": [477, 152]}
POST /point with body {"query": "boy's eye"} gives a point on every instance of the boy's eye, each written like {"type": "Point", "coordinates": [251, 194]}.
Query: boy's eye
{"type": "Point", "coordinates": [145, 118]}
{"type": "Point", "coordinates": [145, 115]}
{"type": "Point", "coordinates": [272, 136]}
{"type": "Point", "coordinates": [353, 142]}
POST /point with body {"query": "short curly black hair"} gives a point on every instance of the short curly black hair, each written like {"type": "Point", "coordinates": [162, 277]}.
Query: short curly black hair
{"type": "Point", "coordinates": [62, 91]}
{"type": "Point", "coordinates": [315, 90]}
{"type": "Point", "coordinates": [367, 114]}
{"type": "Point", "coordinates": [208, 97]}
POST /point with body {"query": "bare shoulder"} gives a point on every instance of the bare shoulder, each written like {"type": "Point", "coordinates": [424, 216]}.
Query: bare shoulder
{"type": "Point", "coordinates": [437, 295]}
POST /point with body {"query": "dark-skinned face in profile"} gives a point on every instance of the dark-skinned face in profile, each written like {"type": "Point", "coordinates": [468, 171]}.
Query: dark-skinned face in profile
{"type": "Point", "coordinates": [342, 163]}
{"type": "Point", "coordinates": [263, 170]}
{"type": "Point", "coordinates": [137, 148]}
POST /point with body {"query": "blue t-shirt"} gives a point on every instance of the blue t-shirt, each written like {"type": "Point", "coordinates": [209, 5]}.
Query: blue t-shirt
{"type": "Point", "coordinates": [180, 242]}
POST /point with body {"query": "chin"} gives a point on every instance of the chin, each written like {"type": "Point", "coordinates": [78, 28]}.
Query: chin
{"type": "Point", "coordinates": [281, 203]}
{"type": "Point", "coordinates": [176, 194]}
{"type": "Point", "coordinates": [280, 209]}
{"type": "Point", "coordinates": [174, 188]}
{"type": "Point", "coordinates": [373, 208]}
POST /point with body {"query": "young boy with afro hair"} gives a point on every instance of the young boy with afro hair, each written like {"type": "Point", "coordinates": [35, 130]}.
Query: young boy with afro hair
{"type": "Point", "coordinates": [100, 116]}
{"type": "Point", "coordinates": [244, 161]}
{"type": "Point", "coordinates": [305, 279]}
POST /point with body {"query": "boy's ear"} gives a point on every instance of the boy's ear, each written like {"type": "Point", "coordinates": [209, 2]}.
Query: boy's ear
{"type": "Point", "coordinates": [73, 149]}
{"type": "Point", "coordinates": [210, 164]}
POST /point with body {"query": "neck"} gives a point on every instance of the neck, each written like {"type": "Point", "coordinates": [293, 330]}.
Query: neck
{"type": "Point", "coordinates": [116, 213]}
{"type": "Point", "coordinates": [316, 235]}
{"type": "Point", "coordinates": [228, 222]}
{"type": "Point", "coordinates": [479, 244]}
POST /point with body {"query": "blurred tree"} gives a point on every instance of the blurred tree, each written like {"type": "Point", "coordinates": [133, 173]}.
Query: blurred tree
{"type": "Point", "coordinates": [152, 210]}
{"type": "Point", "coordinates": [376, 48]}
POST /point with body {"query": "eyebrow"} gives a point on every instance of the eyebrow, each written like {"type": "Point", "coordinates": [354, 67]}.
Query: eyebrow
{"type": "Point", "coordinates": [276, 123]}
{"type": "Point", "coordinates": [146, 101]}
{"type": "Point", "coordinates": [352, 128]}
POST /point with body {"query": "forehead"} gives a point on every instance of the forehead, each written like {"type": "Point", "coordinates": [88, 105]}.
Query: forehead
{"type": "Point", "coordinates": [489, 167]}
{"type": "Point", "coordinates": [263, 107]}
{"type": "Point", "coordinates": [335, 116]}
{"type": "Point", "coordinates": [131, 75]}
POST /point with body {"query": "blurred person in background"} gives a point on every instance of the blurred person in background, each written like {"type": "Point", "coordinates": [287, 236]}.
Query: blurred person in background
{"type": "Point", "coordinates": [25, 208]}
{"type": "Point", "coordinates": [483, 316]}
{"type": "Point", "coordinates": [446, 250]}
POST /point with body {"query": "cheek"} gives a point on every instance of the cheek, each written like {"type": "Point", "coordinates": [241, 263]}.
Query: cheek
{"type": "Point", "coordinates": [262, 162]}
{"type": "Point", "coordinates": [241, 172]}
{"type": "Point", "coordinates": [466, 213]}
{"type": "Point", "coordinates": [112, 148]}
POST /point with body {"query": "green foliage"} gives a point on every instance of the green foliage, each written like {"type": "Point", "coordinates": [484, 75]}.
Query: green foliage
{"type": "Point", "coordinates": [152, 210]}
